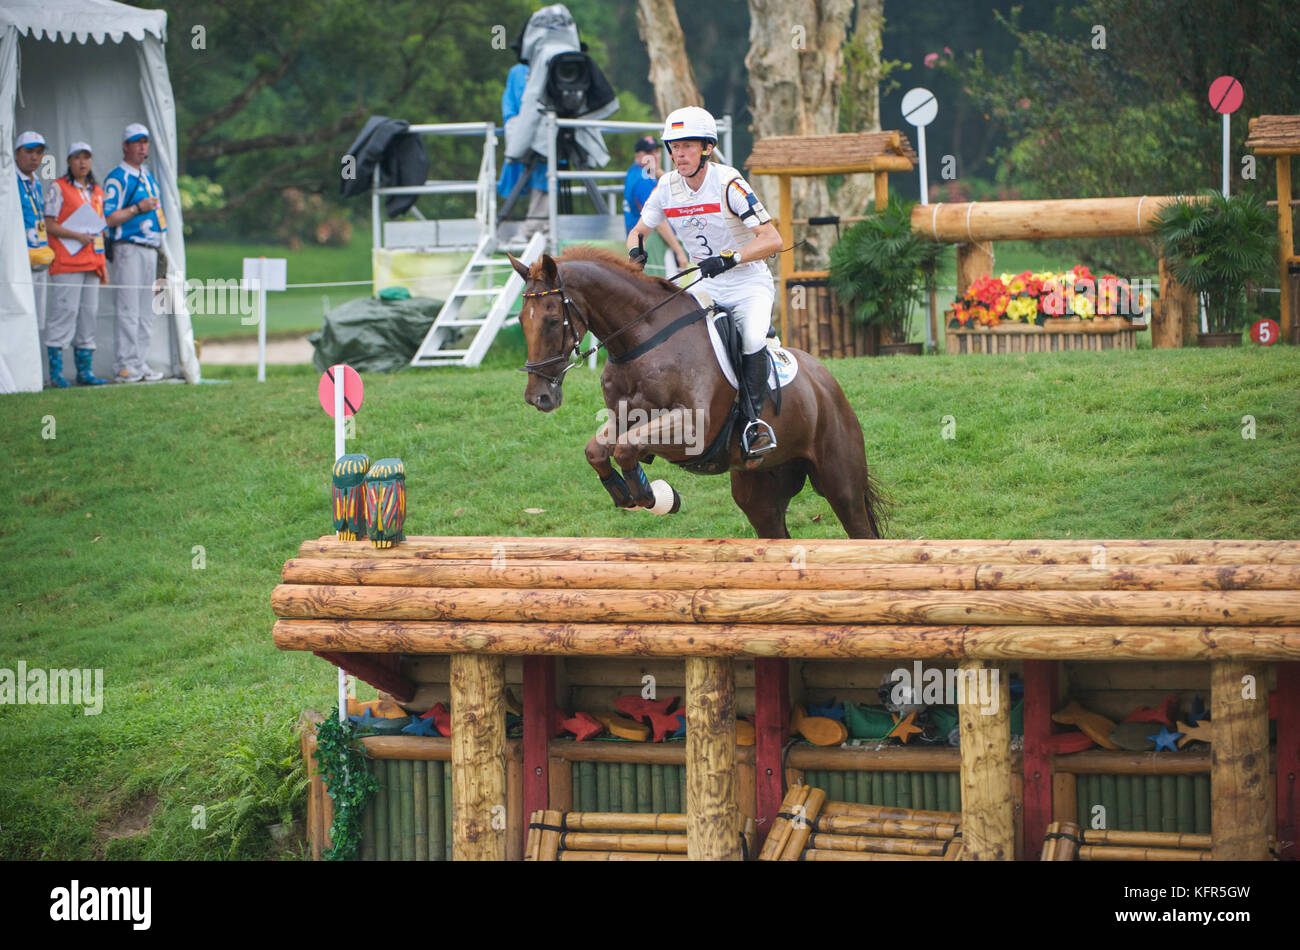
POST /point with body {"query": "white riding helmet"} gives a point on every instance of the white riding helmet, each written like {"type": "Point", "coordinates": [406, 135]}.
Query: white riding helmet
{"type": "Point", "coordinates": [692, 122]}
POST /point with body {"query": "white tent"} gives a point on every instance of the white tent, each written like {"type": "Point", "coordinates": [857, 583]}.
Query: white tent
{"type": "Point", "coordinates": [84, 69]}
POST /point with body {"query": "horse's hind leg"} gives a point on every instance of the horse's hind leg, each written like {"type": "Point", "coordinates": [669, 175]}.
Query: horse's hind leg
{"type": "Point", "coordinates": [843, 483]}
{"type": "Point", "coordinates": [765, 495]}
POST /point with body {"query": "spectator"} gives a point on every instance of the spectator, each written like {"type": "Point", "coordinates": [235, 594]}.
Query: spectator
{"type": "Point", "coordinates": [134, 208]}
{"type": "Point", "coordinates": [640, 181]}
{"type": "Point", "coordinates": [28, 152]}
{"type": "Point", "coordinates": [511, 102]}
{"type": "Point", "coordinates": [78, 268]}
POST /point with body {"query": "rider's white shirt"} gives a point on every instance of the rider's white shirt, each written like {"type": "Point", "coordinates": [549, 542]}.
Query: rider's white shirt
{"type": "Point", "coordinates": [698, 220]}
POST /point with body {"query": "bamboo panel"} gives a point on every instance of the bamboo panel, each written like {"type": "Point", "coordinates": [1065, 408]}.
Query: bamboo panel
{"type": "Point", "coordinates": [379, 806]}
{"type": "Point", "coordinates": [420, 799]}
{"type": "Point", "coordinates": [841, 551]}
{"type": "Point", "coordinates": [394, 811]}
{"type": "Point", "coordinates": [1093, 853]}
{"type": "Point", "coordinates": [878, 845]}
{"type": "Point", "coordinates": [434, 783]}
{"type": "Point", "coordinates": [904, 641]}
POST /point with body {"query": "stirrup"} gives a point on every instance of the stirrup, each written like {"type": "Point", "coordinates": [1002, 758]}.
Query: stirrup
{"type": "Point", "coordinates": [753, 430]}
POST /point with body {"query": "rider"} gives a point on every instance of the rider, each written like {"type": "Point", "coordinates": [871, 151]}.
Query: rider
{"type": "Point", "coordinates": [728, 233]}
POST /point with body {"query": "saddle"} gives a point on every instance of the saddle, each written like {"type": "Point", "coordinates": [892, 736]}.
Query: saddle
{"type": "Point", "coordinates": [716, 458]}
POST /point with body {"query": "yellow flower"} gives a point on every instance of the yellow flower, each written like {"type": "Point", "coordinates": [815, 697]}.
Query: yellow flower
{"type": "Point", "coordinates": [1022, 309]}
{"type": "Point", "coordinates": [1082, 306]}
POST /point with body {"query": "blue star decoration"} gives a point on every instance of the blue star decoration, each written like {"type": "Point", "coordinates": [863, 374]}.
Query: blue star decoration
{"type": "Point", "coordinates": [829, 710]}
{"type": "Point", "coordinates": [365, 720]}
{"type": "Point", "coordinates": [681, 731]}
{"type": "Point", "coordinates": [1199, 712]}
{"type": "Point", "coordinates": [421, 727]}
{"type": "Point", "coordinates": [1165, 740]}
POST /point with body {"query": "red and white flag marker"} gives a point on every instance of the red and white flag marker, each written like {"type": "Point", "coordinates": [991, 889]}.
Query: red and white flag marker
{"type": "Point", "coordinates": [1225, 96]}
{"type": "Point", "coordinates": [340, 401]}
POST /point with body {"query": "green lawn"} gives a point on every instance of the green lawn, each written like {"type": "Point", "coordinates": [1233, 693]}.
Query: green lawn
{"type": "Point", "coordinates": [102, 569]}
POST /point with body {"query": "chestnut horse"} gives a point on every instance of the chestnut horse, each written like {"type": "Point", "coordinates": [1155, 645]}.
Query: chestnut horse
{"type": "Point", "coordinates": [671, 399]}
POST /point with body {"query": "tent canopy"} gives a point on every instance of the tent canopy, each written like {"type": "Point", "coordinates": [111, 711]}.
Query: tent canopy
{"type": "Point", "coordinates": [82, 70]}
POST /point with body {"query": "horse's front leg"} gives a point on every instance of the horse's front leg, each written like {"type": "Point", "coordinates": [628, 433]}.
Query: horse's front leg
{"type": "Point", "coordinates": [598, 451]}
{"type": "Point", "coordinates": [675, 431]}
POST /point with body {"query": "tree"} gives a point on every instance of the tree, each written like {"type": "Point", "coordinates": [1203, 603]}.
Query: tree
{"type": "Point", "coordinates": [671, 74]}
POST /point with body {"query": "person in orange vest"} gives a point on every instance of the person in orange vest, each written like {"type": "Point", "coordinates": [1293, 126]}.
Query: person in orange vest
{"type": "Point", "coordinates": [78, 269]}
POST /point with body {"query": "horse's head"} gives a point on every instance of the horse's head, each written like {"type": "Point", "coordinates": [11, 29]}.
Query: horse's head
{"type": "Point", "coordinates": [550, 329]}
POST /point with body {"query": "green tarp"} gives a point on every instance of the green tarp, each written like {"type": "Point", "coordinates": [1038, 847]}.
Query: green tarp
{"type": "Point", "coordinates": [373, 335]}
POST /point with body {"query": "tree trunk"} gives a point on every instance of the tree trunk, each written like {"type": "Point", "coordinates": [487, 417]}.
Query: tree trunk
{"type": "Point", "coordinates": [860, 103]}
{"type": "Point", "coordinates": [670, 71]}
{"type": "Point", "coordinates": [795, 64]}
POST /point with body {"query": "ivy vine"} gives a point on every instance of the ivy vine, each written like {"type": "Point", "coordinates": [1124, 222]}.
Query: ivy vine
{"type": "Point", "coordinates": [350, 781]}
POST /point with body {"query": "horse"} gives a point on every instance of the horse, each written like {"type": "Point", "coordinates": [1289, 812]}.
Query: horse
{"type": "Point", "coordinates": [670, 397]}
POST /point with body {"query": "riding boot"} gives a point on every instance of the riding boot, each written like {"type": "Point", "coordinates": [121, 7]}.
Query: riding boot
{"type": "Point", "coordinates": [55, 354]}
{"type": "Point", "coordinates": [758, 438]}
{"type": "Point", "coordinates": [85, 375]}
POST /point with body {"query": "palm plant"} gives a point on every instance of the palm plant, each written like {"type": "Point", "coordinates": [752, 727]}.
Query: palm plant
{"type": "Point", "coordinates": [1216, 246]}
{"type": "Point", "coordinates": [878, 267]}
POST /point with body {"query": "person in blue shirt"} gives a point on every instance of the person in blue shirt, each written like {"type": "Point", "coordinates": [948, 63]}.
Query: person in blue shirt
{"type": "Point", "coordinates": [29, 150]}
{"type": "Point", "coordinates": [133, 209]}
{"type": "Point", "coordinates": [641, 179]}
{"type": "Point", "coordinates": [511, 102]}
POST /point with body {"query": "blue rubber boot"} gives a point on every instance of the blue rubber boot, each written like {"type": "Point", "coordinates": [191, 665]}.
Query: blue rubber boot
{"type": "Point", "coordinates": [85, 374]}
{"type": "Point", "coordinates": [56, 368]}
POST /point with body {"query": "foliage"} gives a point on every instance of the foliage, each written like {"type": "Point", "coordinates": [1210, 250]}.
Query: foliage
{"type": "Point", "coordinates": [266, 767]}
{"type": "Point", "coordinates": [1132, 118]}
{"type": "Point", "coordinates": [879, 265]}
{"type": "Point", "coordinates": [350, 780]}
{"type": "Point", "coordinates": [1216, 247]}
{"type": "Point", "coordinates": [199, 194]}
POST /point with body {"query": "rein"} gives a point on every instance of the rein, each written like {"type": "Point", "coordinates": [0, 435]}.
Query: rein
{"type": "Point", "coordinates": [566, 351]}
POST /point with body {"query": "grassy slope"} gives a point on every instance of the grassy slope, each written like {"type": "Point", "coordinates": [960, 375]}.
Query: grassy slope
{"type": "Point", "coordinates": [99, 568]}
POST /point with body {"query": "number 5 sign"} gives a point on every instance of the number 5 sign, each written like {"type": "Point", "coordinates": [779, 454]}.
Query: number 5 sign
{"type": "Point", "coordinates": [1265, 332]}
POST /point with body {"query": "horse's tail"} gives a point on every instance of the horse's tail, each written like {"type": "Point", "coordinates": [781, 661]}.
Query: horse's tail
{"type": "Point", "coordinates": [878, 504]}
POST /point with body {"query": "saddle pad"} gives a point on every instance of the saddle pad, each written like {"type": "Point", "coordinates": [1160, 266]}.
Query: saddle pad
{"type": "Point", "coordinates": [783, 370]}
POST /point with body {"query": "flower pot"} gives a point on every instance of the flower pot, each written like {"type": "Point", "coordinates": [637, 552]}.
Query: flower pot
{"type": "Point", "coordinates": [900, 349]}
{"type": "Point", "coordinates": [1218, 339]}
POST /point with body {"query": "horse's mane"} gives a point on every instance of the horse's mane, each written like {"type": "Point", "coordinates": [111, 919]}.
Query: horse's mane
{"type": "Point", "coordinates": [600, 255]}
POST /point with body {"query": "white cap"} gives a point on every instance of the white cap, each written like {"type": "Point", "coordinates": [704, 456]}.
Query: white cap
{"type": "Point", "coordinates": [691, 122]}
{"type": "Point", "coordinates": [30, 140]}
{"type": "Point", "coordinates": [76, 147]}
{"type": "Point", "coordinates": [135, 131]}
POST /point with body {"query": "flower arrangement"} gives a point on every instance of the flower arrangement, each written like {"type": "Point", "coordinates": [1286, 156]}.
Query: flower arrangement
{"type": "Point", "coordinates": [1033, 297]}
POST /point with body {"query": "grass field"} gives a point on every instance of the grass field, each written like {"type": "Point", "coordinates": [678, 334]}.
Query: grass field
{"type": "Point", "coordinates": [156, 520]}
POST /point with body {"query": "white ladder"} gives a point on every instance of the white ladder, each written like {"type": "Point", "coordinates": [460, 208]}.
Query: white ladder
{"type": "Point", "coordinates": [442, 345]}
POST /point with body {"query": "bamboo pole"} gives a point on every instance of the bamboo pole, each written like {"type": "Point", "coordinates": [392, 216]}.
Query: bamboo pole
{"type": "Point", "coordinates": [1093, 853]}
{"type": "Point", "coordinates": [846, 825]}
{"type": "Point", "coordinates": [880, 813]}
{"type": "Point", "coordinates": [801, 825]}
{"type": "Point", "coordinates": [532, 848]}
{"type": "Point", "coordinates": [663, 823]}
{"type": "Point", "coordinates": [713, 821]}
{"type": "Point", "coordinates": [433, 772]}
{"type": "Point", "coordinates": [549, 845]}
{"type": "Point", "coordinates": [406, 782]}
{"type": "Point", "coordinates": [779, 834]}
{"type": "Point", "coordinates": [585, 841]}
{"type": "Point", "coordinates": [1153, 839]}
{"type": "Point", "coordinates": [1239, 777]}
{"type": "Point", "coordinates": [1067, 847]}
{"type": "Point", "coordinates": [395, 810]}
{"type": "Point", "coordinates": [837, 842]}
{"type": "Point", "coordinates": [814, 854]}
{"type": "Point", "coordinates": [618, 856]}
{"type": "Point", "coordinates": [380, 806]}
{"type": "Point", "coordinates": [988, 826]}
{"type": "Point", "coordinates": [478, 756]}
{"type": "Point", "coordinates": [420, 799]}
{"type": "Point", "coordinates": [829, 551]}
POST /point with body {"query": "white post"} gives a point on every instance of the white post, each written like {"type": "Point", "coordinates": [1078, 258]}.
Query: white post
{"type": "Point", "coordinates": [925, 200]}
{"type": "Point", "coordinates": [261, 326]}
{"type": "Point", "coordinates": [376, 237]}
{"type": "Point", "coordinates": [1226, 121]}
{"type": "Point", "coordinates": [552, 184]}
{"type": "Point", "coordinates": [339, 450]}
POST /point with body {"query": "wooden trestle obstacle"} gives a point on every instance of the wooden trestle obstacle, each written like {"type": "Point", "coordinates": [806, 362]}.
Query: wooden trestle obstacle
{"type": "Point", "coordinates": [748, 627]}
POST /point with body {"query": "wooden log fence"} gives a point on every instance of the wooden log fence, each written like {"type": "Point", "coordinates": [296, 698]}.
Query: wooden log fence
{"type": "Point", "coordinates": [711, 603]}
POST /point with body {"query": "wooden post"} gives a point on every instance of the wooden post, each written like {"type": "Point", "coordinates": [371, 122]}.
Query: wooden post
{"type": "Point", "coordinates": [1177, 309]}
{"type": "Point", "coordinates": [1285, 243]}
{"type": "Point", "coordinates": [988, 822]}
{"type": "Point", "coordinates": [771, 717]}
{"type": "Point", "coordinates": [1288, 761]}
{"type": "Point", "coordinates": [784, 227]}
{"type": "Point", "coordinates": [1040, 700]}
{"type": "Point", "coordinates": [882, 190]}
{"type": "Point", "coordinates": [478, 757]}
{"type": "Point", "coordinates": [712, 818]}
{"type": "Point", "coordinates": [538, 703]}
{"type": "Point", "coordinates": [973, 262]}
{"type": "Point", "coordinates": [1239, 761]}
